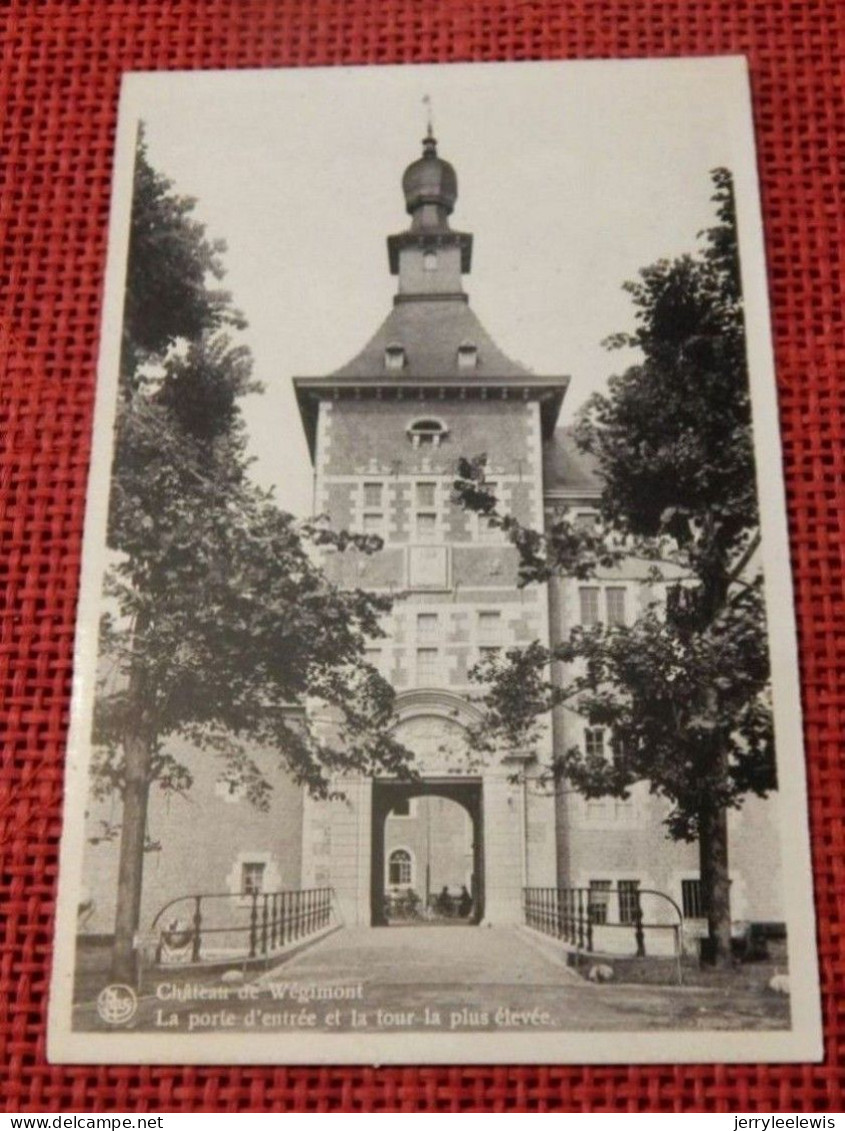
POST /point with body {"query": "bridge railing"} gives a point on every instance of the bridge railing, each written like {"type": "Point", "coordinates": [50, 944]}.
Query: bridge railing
{"type": "Point", "coordinates": [217, 926]}
{"type": "Point", "coordinates": [623, 921]}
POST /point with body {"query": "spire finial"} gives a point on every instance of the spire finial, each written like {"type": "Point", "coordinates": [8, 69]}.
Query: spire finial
{"type": "Point", "coordinates": [429, 141]}
{"type": "Point", "coordinates": [429, 131]}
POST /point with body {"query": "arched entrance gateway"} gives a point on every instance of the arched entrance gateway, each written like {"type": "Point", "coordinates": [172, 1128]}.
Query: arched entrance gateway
{"type": "Point", "coordinates": [389, 841]}
{"type": "Point", "coordinates": [433, 726]}
{"type": "Point", "coordinates": [421, 896]}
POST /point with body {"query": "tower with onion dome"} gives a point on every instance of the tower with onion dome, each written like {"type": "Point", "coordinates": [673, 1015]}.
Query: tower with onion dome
{"type": "Point", "coordinates": [385, 433]}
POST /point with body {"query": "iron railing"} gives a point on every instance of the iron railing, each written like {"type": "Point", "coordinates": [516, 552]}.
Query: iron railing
{"type": "Point", "coordinates": [576, 916]}
{"type": "Point", "coordinates": [218, 925]}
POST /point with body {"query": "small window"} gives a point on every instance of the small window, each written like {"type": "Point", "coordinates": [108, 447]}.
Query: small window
{"type": "Point", "coordinates": [615, 601]}
{"type": "Point", "coordinates": [489, 625]}
{"type": "Point", "coordinates": [588, 596]}
{"type": "Point", "coordinates": [430, 261]}
{"type": "Point", "coordinates": [394, 357]}
{"type": "Point", "coordinates": [399, 867]}
{"type": "Point", "coordinates": [428, 666]}
{"type": "Point", "coordinates": [373, 522]}
{"type": "Point", "coordinates": [252, 878]}
{"type": "Point", "coordinates": [692, 899]}
{"type": "Point", "coordinates": [427, 627]}
{"type": "Point", "coordinates": [430, 433]}
{"type": "Point", "coordinates": [426, 495]}
{"type": "Point", "coordinates": [467, 356]}
{"type": "Point", "coordinates": [599, 900]}
{"type": "Point", "coordinates": [629, 901]}
{"type": "Point", "coordinates": [404, 808]}
{"type": "Point", "coordinates": [373, 493]}
{"type": "Point", "coordinates": [585, 520]}
{"type": "Point", "coordinates": [229, 789]}
{"type": "Point", "coordinates": [488, 651]}
{"type": "Point", "coordinates": [375, 657]}
{"type": "Point", "coordinates": [594, 742]}
{"type": "Point", "coordinates": [426, 526]}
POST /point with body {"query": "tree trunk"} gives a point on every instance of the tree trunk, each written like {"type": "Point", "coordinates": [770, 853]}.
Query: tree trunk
{"type": "Point", "coordinates": [137, 753]}
{"type": "Point", "coordinates": [715, 883]}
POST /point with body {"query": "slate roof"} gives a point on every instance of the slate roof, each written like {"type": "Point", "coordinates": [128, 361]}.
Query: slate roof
{"type": "Point", "coordinates": [431, 332]}
{"type": "Point", "coordinates": [567, 468]}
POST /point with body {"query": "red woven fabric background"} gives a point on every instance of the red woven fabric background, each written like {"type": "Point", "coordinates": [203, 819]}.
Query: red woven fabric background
{"type": "Point", "coordinates": [59, 81]}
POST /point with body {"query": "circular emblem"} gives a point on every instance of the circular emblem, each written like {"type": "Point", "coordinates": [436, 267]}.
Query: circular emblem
{"type": "Point", "coordinates": [116, 1004]}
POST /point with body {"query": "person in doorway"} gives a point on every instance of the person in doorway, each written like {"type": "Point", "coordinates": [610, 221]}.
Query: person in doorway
{"type": "Point", "coordinates": [444, 901]}
{"type": "Point", "coordinates": [464, 903]}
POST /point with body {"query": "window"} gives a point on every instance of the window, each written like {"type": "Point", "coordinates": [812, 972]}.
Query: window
{"type": "Point", "coordinates": [373, 495]}
{"type": "Point", "coordinates": [426, 526]}
{"type": "Point", "coordinates": [426, 495]}
{"type": "Point", "coordinates": [229, 789]}
{"type": "Point", "coordinates": [374, 656]}
{"type": "Point", "coordinates": [373, 522]}
{"type": "Point", "coordinates": [692, 899]}
{"type": "Point", "coordinates": [428, 667]}
{"type": "Point", "coordinates": [394, 357]}
{"type": "Point", "coordinates": [629, 900]}
{"type": "Point", "coordinates": [427, 433]}
{"type": "Point", "coordinates": [427, 628]}
{"type": "Point", "coordinates": [594, 742]}
{"type": "Point", "coordinates": [467, 355]}
{"type": "Point", "coordinates": [599, 900]}
{"type": "Point", "coordinates": [404, 808]}
{"type": "Point", "coordinates": [585, 520]}
{"type": "Point", "coordinates": [399, 867]}
{"type": "Point", "coordinates": [489, 625]}
{"type": "Point", "coordinates": [588, 595]}
{"type": "Point", "coordinates": [430, 261]}
{"type": "Point", "coordinates": [488, 651]}
{"type": "Point", "coordinates": [252, 878]}
{"type": "Point", "coordinates": [615, 601]}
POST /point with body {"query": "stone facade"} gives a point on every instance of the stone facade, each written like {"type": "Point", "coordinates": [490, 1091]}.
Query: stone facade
{"type": "Point", "coordinates": [385, 433]}
{"type": "Point", "coordinates": [211, 840]}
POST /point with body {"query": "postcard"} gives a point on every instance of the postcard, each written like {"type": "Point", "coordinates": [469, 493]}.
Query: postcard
{"type": "Point", "coordinates": [436, 694]}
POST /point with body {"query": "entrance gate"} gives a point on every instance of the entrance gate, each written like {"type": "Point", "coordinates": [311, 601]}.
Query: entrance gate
{"type": "Point", "coordinates": [387, 794]}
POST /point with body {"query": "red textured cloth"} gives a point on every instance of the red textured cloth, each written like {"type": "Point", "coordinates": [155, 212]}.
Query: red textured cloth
{"type": "Point", "coordinates": [59, 81]}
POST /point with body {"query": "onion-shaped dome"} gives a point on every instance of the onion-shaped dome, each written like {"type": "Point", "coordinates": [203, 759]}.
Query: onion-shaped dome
{"type": "Point", "coordinates": [430, 180]}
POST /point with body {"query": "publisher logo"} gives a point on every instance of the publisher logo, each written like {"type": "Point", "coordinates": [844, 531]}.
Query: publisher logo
{"type": "Point", "coordinates": [116, 1004]}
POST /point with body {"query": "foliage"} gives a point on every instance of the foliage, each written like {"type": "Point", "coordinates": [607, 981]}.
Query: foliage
{"type": "Point", "coordinates": [684, 690]}
{"type": "Point", "coordinates": [221, 623]}
{"type": "Point", "coordinates": [169, 265]}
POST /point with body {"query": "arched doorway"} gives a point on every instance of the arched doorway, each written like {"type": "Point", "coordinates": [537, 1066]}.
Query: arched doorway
{"type": "Point", "coordinates": [402, 871]}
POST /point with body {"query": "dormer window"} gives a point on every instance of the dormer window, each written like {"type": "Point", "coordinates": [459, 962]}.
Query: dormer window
{"type": "Point", "coordinates": [430, 261]}
{"type": "Point", "coordinates": [467, 355]}
{"type": "Point", "coordinates": [394, 357]}
{"type": "Point", "coordinates": [428, 433]}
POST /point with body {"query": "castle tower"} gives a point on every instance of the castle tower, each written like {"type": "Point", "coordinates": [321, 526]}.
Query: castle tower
{"type": "Point", "coordinates": [385, 433]}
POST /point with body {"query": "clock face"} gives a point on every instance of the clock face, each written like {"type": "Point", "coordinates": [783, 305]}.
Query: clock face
{"type": "Point", "coordinates": [439, 745]}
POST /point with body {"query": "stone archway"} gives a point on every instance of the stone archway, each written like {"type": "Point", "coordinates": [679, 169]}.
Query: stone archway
{"type": "Point", "coordinates": [433, 725]}
{"type": "Point", "coordinates": [389, 793]}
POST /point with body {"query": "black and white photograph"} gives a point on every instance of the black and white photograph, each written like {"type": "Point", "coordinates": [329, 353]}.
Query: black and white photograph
{"type": "Point", "coordinates": [435, 692]}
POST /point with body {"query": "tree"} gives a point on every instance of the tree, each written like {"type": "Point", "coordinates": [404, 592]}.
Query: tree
{"type": "Point", "coordinates": [221, 622]}
{"type": "Point", "coordinates": [684, 691]}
